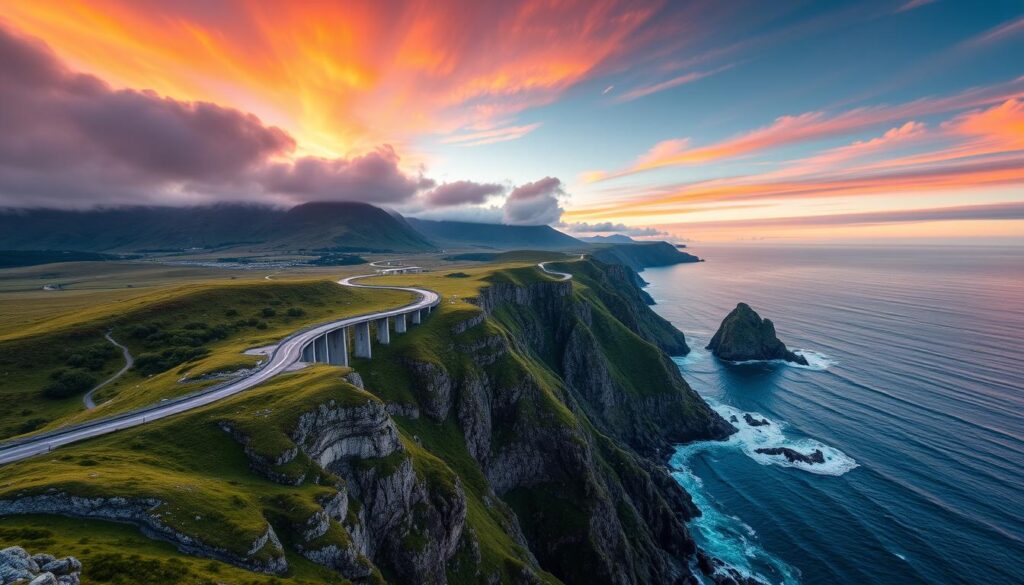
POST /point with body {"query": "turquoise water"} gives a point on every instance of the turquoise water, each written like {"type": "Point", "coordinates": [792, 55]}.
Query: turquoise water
{"type": "Point", "coordinates": [915, 395]}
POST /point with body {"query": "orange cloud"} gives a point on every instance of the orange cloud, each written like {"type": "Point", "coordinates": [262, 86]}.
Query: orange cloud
{"type": "Point", "coordinates": [345, 77]}
{"type": "Point", "coordinates": [979, 149]}
{"type": "Point", "coordinates": [807, 127]}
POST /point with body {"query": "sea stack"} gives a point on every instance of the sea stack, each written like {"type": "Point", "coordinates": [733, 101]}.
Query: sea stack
{"type": "Point", "coordinates": [745, 336]}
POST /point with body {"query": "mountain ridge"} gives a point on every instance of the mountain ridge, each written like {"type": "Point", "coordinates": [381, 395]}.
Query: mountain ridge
{"type": "Point", "coordinates": [332, 225]}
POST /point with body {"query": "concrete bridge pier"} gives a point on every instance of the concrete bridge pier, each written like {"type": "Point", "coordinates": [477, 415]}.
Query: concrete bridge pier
{"type": "Point", "coordinates": [383, 333]}
{"type": "Point", "coordinates": [337, 346]}
{"type": "Point", "coordinates": [363, 340]}
{"type": "Point", "coordinates": [416, 317]}
{"type": "Point", "coordinates": [320, 352]}
{"type": "Point", "coordinates": [400, 323]}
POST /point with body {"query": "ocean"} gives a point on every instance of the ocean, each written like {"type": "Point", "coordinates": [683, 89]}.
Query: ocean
{"type": "Point", "coordinates": [914, 393]}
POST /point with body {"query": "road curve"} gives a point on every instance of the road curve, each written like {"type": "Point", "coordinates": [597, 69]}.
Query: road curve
{"type": "Point", "coordinates": [287, 352]}
{"type": "Point", "coordinates": [128, 361]}
{"type": "Point", "coordinates": [559, 275]}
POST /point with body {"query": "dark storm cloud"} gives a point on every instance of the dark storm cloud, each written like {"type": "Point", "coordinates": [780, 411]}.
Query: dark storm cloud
{"type": "Point", "coordinates": [534, 203]}
{"type": "Point", "coordinates": [70, 140]}
{"type": "Point", "coordinates": [373, 177]}
{"type": "Point", "coordinates": [462, 193]}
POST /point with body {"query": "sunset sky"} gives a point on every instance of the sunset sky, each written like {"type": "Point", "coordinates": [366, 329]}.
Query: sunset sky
{"type": "Point", "coordinates": [697, 121]}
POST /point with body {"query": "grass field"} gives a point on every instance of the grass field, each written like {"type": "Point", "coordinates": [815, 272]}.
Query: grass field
{"type": "Point", "coordinates": [198, 472]}
{"type": "Point", "coordinates": [201, 472]}
{"type": "Point", "coordinates": [183, 324]}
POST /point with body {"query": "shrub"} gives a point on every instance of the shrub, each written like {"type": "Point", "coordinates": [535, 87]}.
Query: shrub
{"type": "Point", "coordinates": [30, 425]}
{"type": "Point", "coordinates": [296, 312]}
{"type": "Point", "coordinates": [231, 313]}
{"type": "Point", "coordinates": [261, 325]}
{"type": "Point", "coordinates": [118, 569]}
{"type": "Point", "coordinates": [268, 312]}
{"type": "Point", "coordinates": [153, 363]}
{"type": "Point", "coordinates": [67, 382]}
{"type": "Point", "coordinates": [92, 357]}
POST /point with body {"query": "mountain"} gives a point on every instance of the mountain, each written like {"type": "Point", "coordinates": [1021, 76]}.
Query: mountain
{"type": "Point", "coordinates": [612, 239]}
{"type": "Point", "coordinates": [454, 234]}
{"type": "Point", "coordinates": [342, 225]}
{"type": "Point", "coordinates": [641, 255]}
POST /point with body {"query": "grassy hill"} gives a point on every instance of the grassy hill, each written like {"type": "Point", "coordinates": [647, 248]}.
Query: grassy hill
{"type": "Point", "coordinates": [640, 255]}
{"type": "Point", "coordinates": [462, 234]}
{"type": "Point", "coordinates": [181, 338]}
{"type": "Point", "coordinates": [500, 441]}
{"type": "Point", "coordinates": [342, 227]}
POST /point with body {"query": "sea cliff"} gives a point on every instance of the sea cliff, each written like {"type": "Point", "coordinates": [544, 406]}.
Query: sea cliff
{"type": "Point", "coordinates": [517, 437]}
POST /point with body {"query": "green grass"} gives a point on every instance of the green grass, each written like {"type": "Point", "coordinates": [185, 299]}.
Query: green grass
{"type": "Point", "coordinates": [180, 319]}
{"type": "Point", "coordinates": [108, 548]}
{"type": "Point", "coordinates": [208, 483]}
{"type": "Point", "coordinates": [198, 471]}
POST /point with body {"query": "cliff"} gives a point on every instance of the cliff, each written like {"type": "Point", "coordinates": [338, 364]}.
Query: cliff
{"type": "Point", "coordinates": [642, 255]}
{"type": "Point", "coordinates": [515, 436]}
{"type": "Point", "coordinates": [744, 335]}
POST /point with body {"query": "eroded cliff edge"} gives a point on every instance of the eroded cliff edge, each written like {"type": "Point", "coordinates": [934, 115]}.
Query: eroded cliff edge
{"type": "Point", "coordinates": [517, 437]}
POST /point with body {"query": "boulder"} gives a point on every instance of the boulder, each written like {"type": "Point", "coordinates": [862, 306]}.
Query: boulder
{"type": "Point", "coordinates": [18, 566]}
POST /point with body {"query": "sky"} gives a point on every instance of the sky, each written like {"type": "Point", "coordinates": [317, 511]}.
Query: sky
{"type": "Point", "coordinates": [716, 121]}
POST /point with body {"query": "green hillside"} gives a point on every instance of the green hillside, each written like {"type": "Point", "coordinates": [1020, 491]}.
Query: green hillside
{"type": "Point", "coordinates": [463, 234]}
{"type": "Point", "coordinates": [343, 227]}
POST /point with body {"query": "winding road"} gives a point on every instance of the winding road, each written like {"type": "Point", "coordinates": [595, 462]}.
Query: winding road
{"type": "Point", "coordinates": [128, 361]}
{"type": "Point", "coordinates": [285, 354]}
{"type": "Point", "coordinates": [560, 275]}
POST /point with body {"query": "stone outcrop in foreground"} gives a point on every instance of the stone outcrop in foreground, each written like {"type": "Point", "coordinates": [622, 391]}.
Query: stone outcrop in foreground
{"type": "Point", "coordinates": [18, 566]}
{"type": "Point", "coordinates": [745, 336]}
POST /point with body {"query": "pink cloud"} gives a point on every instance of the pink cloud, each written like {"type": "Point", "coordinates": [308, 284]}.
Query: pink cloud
{"type": "Point", "coordinates": [808, 127]}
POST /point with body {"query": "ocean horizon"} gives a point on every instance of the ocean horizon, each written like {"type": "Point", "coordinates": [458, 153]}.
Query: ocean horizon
{"type": "Point", "coordinates": [913, 392]}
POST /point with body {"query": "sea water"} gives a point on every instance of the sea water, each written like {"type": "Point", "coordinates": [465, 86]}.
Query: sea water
{"type": "Point", "coordinates": [914, 394]}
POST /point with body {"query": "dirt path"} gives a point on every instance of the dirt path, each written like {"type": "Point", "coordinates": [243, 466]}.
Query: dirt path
{"type": "Point", "coordinates": [128, 361]}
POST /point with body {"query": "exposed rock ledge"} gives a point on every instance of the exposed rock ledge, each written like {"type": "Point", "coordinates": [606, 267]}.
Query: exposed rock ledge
{"type": "Point", "coordinates": [264, 554]}
{"type": "Point", "coordinates": [745, 336]}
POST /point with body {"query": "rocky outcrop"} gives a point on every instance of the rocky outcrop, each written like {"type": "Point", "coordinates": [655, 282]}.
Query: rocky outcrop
{"type": "Point", "coordinates": [755, 422]}
{"type": "Point", "coordinates": [794, 456]}
{"type": "Point", "coordinates": [18, 566]}
{"type": "Point", "coordinates": [384, 513]}
{"type": "Point", "coordinates": [557, 424]}
{"type": "Point", "coordinates": [264, 554]}
{"type": "Point", "coordinates": [745, 336]}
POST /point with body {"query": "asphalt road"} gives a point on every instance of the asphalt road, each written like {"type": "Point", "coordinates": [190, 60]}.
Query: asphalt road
{"type": "Point", "coordinates": [287, 352]}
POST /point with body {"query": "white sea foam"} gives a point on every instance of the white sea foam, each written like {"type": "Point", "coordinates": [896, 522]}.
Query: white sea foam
{"type": "Point", "coordinates": [817, 362]}
{"type": "Point", "coordinates": [750, 438]}
{"type": "Point", "coordinates": [729, 539]}
{"type": "Point", "coordinates": [695, 355]}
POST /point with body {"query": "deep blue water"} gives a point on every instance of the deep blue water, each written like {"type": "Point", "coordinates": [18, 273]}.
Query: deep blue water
{"type": "Point", "coordinates": [916, 398]}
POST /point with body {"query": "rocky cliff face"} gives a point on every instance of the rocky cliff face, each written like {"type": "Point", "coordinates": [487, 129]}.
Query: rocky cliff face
{"type": "Point", "coordinates": [518, 439]}
{"type": "Point", "coordinates": [559, 391]}
{"type": "Point", "coordinates": [744, 336]}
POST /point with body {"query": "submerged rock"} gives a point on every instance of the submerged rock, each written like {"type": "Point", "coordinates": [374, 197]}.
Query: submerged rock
{"type": "Point", "coordinates": [745, 336]}
{"type": "Point", "coordinates": [793, 456]}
